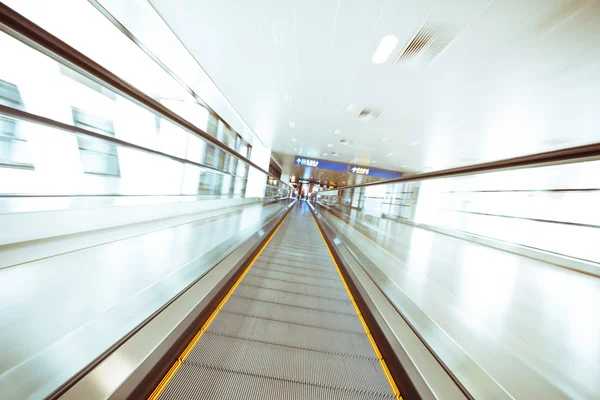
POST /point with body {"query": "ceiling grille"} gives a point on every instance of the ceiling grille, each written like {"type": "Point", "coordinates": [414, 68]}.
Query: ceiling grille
{"type": "Point", "coordinates": [428, 42]}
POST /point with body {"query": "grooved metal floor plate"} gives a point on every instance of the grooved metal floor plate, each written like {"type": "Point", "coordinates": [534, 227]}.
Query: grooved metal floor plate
{"type": "Point", "coordinates": [288, 331]}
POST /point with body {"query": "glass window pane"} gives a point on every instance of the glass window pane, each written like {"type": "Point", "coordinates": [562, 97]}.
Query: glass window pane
{"type": "Point", "coordinates": [97, 157]}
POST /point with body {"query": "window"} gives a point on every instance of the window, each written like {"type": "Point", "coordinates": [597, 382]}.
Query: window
{"type": "Point", "coordinates": [215, 157]}
{"type": "Point", "coordinates": [97, 156]}
{"type": "Point", "coordinates": [242, 147]}
{"type": "Point", "coordinates": [211, 126]}
{"type": "Point", "coordinates": [274, 169]}
{"type": "Point", "coordinates": [210, 183]}
{"type": "Point", "coordinates": [14, 149]}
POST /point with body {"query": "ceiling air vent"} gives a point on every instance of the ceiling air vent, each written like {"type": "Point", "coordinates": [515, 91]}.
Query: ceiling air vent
{"type": "Point", "coordinates": [346, 142]}
{"type": "Point", "coordinates": [367, 114]}
{"type": "Point", "coordinates": [428, 42]}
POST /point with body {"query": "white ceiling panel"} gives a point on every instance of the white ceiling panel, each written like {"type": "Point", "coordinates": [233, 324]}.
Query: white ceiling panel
{"type": "Point", "coordinates": [505, 77]}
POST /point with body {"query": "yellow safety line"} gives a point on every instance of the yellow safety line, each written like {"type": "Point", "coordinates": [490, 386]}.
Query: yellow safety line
{"type": "Point", "coordinates": [384, 366]}
{"type": "Point", "coordinates": [167, 378]}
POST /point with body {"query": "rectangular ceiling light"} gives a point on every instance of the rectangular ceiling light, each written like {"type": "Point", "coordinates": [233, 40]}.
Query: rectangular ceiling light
{"type": "Point", "coordinates": [385, 48]}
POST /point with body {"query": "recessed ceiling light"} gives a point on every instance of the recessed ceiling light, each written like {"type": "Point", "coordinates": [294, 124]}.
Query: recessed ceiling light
{"type": "Point", "coordinates": [292, 124]}
{"type": "Point", "coordinates": [330, 145]}
{"type": "Point", "coordinates": [373, 162]}
{"type": "Point", "coordinates": [415, 143]}
{"type": "Point", "coordinates": [288, 97]}
{"type": "Point", "coordinates": [389, 154]}
{"type": "Point", "coordinates": [386, 46]}
{"type": "Point", "coordinates": [324, 154]}
{"type": "Point", "coordinates": [403, 165]}
{"type": "Point", "coordinates": [296, 149]}
{"type": "Point", "coordinates": [351, 107]}
{"type": "Point", "coordinates": [337, 131]}
{"type": "Point", "coordinates": [384, 139]}
{"type": "Point", "coordinates": [294, 140]}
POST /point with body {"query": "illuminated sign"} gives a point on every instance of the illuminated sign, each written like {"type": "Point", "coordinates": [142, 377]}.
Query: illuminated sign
{"type": "Point", "coordinates": [374, 172]}
{"type": "Point", "coordinates": [308, 181]}
{"type": "Point", "coordinates": [353, 169]}
{"type": "Point", "coordinates": [307, 162]}
{"type": "Point", "coordinates": [360, 170]}
{"type": "Point", "coordinates": [311, 162]}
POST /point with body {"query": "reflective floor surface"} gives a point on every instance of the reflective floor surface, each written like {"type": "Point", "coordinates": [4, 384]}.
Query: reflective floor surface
{"type": "Point", "coordinates": [534, 327]}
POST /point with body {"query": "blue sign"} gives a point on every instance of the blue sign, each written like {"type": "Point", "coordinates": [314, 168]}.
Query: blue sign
{"type": "Point", "coordinates": [311, 162]}
{"type": "Point", "coordinates": [377, 173]}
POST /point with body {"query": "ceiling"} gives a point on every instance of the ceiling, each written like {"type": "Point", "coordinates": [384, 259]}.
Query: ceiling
{"type": "Point", "coordinates": [511, 77]}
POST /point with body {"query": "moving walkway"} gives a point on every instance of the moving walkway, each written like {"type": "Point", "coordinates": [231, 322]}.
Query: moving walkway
{"type": "Point", "coordinates": [288, 328]}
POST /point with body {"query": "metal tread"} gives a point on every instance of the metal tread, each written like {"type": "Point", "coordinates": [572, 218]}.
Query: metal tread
{"type": "Point", "coordinates": [278, 245]}
{"type": "Point", "coordinates": [280, 254]}
{"type": "Point", "coordinates": [281, 287]}
{"type": "Point", "coordinates": [308, 280]}
{"type": "Point", "coordinates": [324, 270]}
{"type": "Point", "coordinates": [295, 365]}
{"type": "Point", "coordinates": [291, 314]}
{"type": "Point", "coordinates": [339, 290]}
{"type": "Point", "coordinates": [291, 335]}
{"type": "Point", "coordinates": [342, 330]}
{"type": "Point", "coordinates": [333, 305]}
{"type": "Point", "coordinates": [287, 269]}
{"type": "Point", "coordinates": [194, 382]}
{"type": "Point", "coordinates": [294, 305]}
{"type": "Point", "coordinates": [306, 258]}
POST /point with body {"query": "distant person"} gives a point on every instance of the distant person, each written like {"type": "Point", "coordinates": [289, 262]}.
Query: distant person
{"type": "Point", "coordinates": [303, 194]}
{"type": "Point", "coordinates": [299, 195]}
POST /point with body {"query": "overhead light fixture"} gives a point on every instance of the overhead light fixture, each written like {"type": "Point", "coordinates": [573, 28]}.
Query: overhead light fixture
{"type": "Point", "coordinates": [373, 162]}
{"type": "Point", "coordinates": [294, 140]}
{"type": "Point", "coordinates": [324, 154]}
{"type": "Point", "coordinates": [296, 149]}
{"type": "Point", "coordinates": [368, 114]}
{"type": "Point", "coordinates": [386, 46]}
{"type": "Point", "coordinates": [415, 143]}
{"type": "Point", "coordinates": [351, 107]}
{"type": "Point", "coordinates": [389, 154]}
{"type": "Point", "coordinates": [330, 145]}
{"type": "Point", "coordinates": [337, 131]}
{"type": "Point", "coordinates": [292, 124]}
{"type": "Point", "coordinates": [288, 97]}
